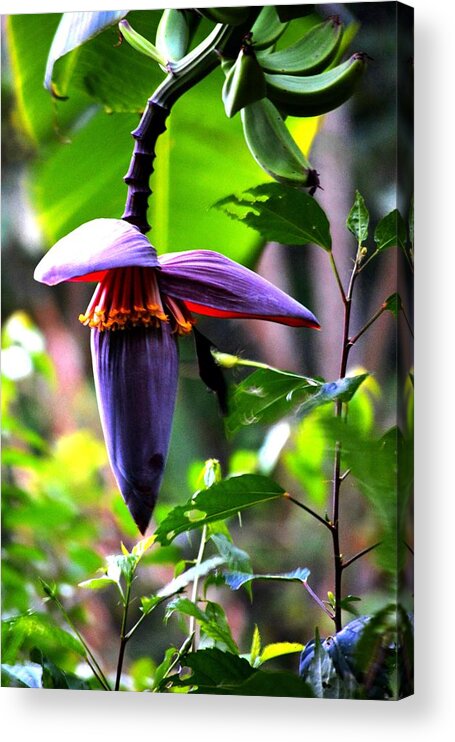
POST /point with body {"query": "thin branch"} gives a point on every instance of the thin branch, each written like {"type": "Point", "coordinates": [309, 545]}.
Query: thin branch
{"type": "Point", "coordinates": [326, 523]}
{"type": "Point", "coordinates": [123, 636]}
{"type": "Point", "coordinates": [200, 556]}
{"type": "Point", "coordinates": [373, 319]}
{"type": "Point", "coordinates": [318, 600]}
{"type": "Point", "coordinates": [360, 554]}
{"type": "Point", "coordinates": [337, 277]}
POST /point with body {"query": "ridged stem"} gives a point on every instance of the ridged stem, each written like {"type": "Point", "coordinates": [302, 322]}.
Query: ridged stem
{"type": "Point", "coordinates": [182, 76]}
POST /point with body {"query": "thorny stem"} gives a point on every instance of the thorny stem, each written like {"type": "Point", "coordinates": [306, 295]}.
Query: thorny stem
{"type": "Point", "coordinates": [200, 556]}
{"type": "Point", "coordinates": [123, 636]}
{"type": "Point", "coordinates": [337, 476]}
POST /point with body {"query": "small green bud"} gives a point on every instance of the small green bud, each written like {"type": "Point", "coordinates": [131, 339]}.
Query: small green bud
{"type": "Point", "coordinates": [212, 472]}
{"type": "Point", "coordinates": [226, 360]}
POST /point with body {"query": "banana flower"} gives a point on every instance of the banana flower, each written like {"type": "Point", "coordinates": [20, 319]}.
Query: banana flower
{"type": "Point", "coordinates": [141, 304]}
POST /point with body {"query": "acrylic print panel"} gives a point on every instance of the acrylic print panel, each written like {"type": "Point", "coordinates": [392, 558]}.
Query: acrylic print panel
{"type": "Point", "coordinates": [253, 238]}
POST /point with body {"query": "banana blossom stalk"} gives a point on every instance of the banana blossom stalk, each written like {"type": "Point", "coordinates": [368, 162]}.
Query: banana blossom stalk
{"type": "Point", "coordinates": [141, 304]}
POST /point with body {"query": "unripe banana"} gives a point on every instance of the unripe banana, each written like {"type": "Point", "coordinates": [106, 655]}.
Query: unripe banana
{"type": "Point", "coordinates": [267, 28]}
{"type": "Point", "coordinates": [273, 147]}
{"type": "Point", "coordinates": [173, 34]}
{"type": "Point", "coordinates": [244, 83]}
{"type": "Point", "coordinates": [314, 95]}
{"type": "Point", "coordinates": [228, 16]}
{"type": "Point", "coordinates": [309, 55]}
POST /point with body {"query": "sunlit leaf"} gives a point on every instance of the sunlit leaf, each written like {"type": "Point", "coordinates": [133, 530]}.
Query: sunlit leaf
{"type": "Point", "coordinates": [199, 570]}
{"type": "Point", "coordinates": [75, 29]}
{"type": "Point", "coordinates": [280, 214]}
{"type": "Point", "coordinates": [98, 583]}
{"type": "Point", "coordinates": [222, 500]}
{"type": "Point", "coordinates": [271, 651]}
{"type": "Point", "coordinates": [37, 630]}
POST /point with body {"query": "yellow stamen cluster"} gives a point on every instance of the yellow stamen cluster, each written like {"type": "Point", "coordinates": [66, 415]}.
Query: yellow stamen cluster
{"type": "Point", "coordinates": [128, 297]}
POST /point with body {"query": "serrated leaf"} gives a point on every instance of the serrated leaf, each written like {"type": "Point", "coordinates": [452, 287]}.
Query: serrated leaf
{"type": "Point", "coordinates": [74, 30]}
{"type": "Point", "coordinates": [390, 232]}
{"type": "Point", "coordinates": [271, 651]}
{"type": "Point", "coordinates": [266, 396]}
{"type": "Point", "coordinates": [236, 579]}
{"type": "Point", "coordinates": [220, 501]}
{"type": "Point", "coordinates": [358, 219]}
{"type": "Point", "coordinates": [280, 214]}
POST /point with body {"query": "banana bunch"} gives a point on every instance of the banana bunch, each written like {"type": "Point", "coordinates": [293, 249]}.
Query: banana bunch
{"type": "Point", "coordinates": [306, 78]}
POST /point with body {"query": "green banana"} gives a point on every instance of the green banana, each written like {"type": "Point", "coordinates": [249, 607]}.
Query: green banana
{"type": "Point", "coordinates": [314, 95]}
{"type": "Point", "coordinates": [173, 34]}
{"type": "Point", "coordinates": [309, 55]}
{"type": "Point", "coordinates": [228, 16]}
{"type": "Point", "coordinates": [273, 147]}
{"type": "Point", "coordinates": [267, 28]}
{"type": "Point", "coordinates": [244, 83]}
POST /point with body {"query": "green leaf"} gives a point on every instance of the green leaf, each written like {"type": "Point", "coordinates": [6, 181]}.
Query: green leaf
{"type": "Point", "coordinates": [393, 304]}
{"type": "Point", "coordinates": [74, 30]}
{"type": "Point", "coordinates": [215, 672]}
{"type": "Point", "coordinates": [236, 579]}
{"type": "Point", "coordinates": [55, 677]}
{"type": "Point", "coordinates": [390, 232]}
{"type": "Point", "coordinates": [212, 668]}
{"type": "Point", "coordinates": [266, 396]}
{"type": "Point", "coordinates": [37, 630]}
{"type": "Point", "coordinates": [358, 219]}
{"type": "Point", "coordinates": [180, 582]}
{"type": "Point", "coordinates": [222, 500]}
{"type": "Point", "coordinates": [280, 214]}
{"type": "Point", "coordinates": [273, 684]}
{"type": "Point", "coordinates": [255, 649]}
{"type": "Point", "coordinates": [163, 668]}
{"type": "Point", "coordinates": [39, 116]}
{"type": "Point", "coordinates": [212, 621]}
{"type": "Point", "coordinates": [235, 558]}
{"type": "Point", "coordinates": [97, 583]}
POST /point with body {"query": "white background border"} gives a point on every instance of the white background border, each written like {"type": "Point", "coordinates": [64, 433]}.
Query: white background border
{"type": "Point", "coordinates": [71, 715]}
